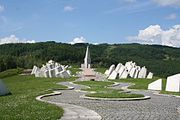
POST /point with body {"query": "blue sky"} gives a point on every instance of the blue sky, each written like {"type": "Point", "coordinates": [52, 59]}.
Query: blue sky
{"type": "Point", "coordinates": [97, 21]}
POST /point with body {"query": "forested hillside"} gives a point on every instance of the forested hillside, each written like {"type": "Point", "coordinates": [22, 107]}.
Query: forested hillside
{"type": "Point", "coordinates": [162, 61]}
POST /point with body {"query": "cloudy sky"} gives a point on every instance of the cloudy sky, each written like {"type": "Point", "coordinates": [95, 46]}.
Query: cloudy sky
{"type": "Point", "coordinates": [94, 21]}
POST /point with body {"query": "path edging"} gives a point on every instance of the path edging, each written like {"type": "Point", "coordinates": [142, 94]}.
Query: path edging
{"type": "Point", "coordinates": [116, 99]}
{"type": "Point", "coordinates": [166, 95]}
{"type": "Point", "coordinates": [109, 99]}
{"type": "Point", "coordinates": [70, 114]}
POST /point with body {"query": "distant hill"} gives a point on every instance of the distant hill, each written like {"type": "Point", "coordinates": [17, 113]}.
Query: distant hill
{"type": "Point", "coordinates": [161, 60]}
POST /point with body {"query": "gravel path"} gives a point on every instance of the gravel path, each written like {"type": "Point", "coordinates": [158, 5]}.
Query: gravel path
{"type": "Point", "coordinates": [156, 108]}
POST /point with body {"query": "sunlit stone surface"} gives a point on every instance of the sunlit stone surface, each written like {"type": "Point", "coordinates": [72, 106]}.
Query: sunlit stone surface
{"type": "Point", "coordinates": [173, 83]}
{"type": "Point", "coordinates": [156, 85]}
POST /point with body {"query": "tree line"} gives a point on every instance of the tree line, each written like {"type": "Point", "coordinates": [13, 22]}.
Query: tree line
{"type": "Point", "coordinates": [160, 60]}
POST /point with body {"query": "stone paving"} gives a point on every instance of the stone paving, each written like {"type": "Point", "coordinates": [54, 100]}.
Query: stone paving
{"type": "Point", "coordinates": [156, 108]}
{"type": "Point", "coordinates": [98, 76]}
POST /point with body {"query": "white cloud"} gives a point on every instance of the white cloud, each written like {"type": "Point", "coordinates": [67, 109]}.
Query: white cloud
{"type": "Point", "coordinates": [155, 35]}
{"type": "Point", "coordinates": [78, 40]}
{"type": "Point", "coordinates": [68, 8]}
{"type": "Point", "coordinates": [171, 16]}
{"type": "Point", "coordinates": [173, 3]}
{"type": "Point", "coordinates": [1, 8]}
{"type": "Point", "coordinates": [14, 39]}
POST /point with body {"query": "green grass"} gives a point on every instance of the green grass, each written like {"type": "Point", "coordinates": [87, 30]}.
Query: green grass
{"type": "Point", "coordinates": [142, 84]}
{"type": "Point", "coordinates": [74, 70]}
{"type": "Point", "coordinates": [170, 93]}
{"type": "Point", "coordinates": [10, 72]}
{"type": "Point", "coordinates": [139, 83]}
{"type": "Point", "coordinates": [102, 91]}
{"type": "Point", "coordinates": [21, 105]}
{"type": "Point", "coordinates": [114, 95]}
{"type": "Point", "coordinates": [101, 70]}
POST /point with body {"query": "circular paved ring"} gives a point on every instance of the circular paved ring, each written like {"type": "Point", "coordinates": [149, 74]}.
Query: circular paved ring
{"type": "Point", "coordinates": [116, 99]}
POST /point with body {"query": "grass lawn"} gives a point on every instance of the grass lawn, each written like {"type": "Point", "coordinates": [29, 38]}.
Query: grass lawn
{"type": "Point", "coordinates": [102, 91]}
{"type": "Point", "coordinates": [21, 105]}
{"type": "Point", "coordinates": [139, 83]}
{"type": "Point", "coordinates": [142, 84]}
{"type": "Point", "coordinates": [101, 70]}
{"type": "Point", "coordinates": [74, 70]}
{"type": "Point", "coordinates": [171, 93]}
{"type": "Point", "coordinates": [10, 72]}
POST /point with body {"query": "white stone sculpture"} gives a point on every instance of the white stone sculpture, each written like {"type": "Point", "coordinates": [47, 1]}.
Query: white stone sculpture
{"type": "Point", "coordinates": [111, 69]}
{"type": "Point", "coordinates": [34, 70]}
{"type": "Point", "coordinates": [121, 70]}
{"type": "Point", "coordinates": [132, 72]}
{"type": "Point", "coordinates": [118, 67]}
{"type": "Point", "coordinates": [87, 59]}
{"type": "Point", "coordinates": [50, 70]}
{"type": "Point", "coordinates": [137, 72]}
{"type": "Point", "coordinates": [64, 74]}
{"type": "Point", "coordinates": [173, 83]}
{"type": "Point", "coordinates": [128, 65]}
{"type": "Point", "coordinates": [156, 85]}
{"type": "Point", "coordinates": [113, 75]}
{"type": "Point", "coordinates": [52, 73]}
{"type": "Point", "coordinates": [124, 74]}
{"type": "Point", "coordinates": [142, 73]}
{"type": "Point", "coordinates": [106, 72]}
{"type": "Point", "coordinates": [69, 72]}
{"type": "Point", "coordinates": [130, 69]}
{"type": "Point", "coordinates": [150, 75]}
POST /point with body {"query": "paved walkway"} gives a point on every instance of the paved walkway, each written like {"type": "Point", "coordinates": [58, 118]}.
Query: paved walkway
{"type": "Point", "coordinates": [74, 112]}
{"type": "Point", "coordinates": [156, 108]}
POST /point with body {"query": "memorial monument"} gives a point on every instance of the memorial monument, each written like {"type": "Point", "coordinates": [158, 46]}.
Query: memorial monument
{"type": "Point", "coordinates": [156, 85]}
{"type": "Point", "coordinates": [173, 83]}
{"type": "Point", "coordinates": [87, 59]}
{"type": "Point", "coordinates": [50, 70]}
{"type": "Point", "coordinates": [130, 69]}
{"type": "Point", "coordinates": [88, 73]}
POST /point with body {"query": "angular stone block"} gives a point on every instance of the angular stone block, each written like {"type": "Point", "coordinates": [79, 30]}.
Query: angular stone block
{"type": "Point", "coordinates": [64, 74]}
{"type": "Point", "coordinates": [130, 65]}
{"type": "Point", "coordinates": [52, 73]}
{"type": "Point", "coordinates": [156, 85]}
{"type": "Point", "coordinates": [124, 74]}
{"type": "Point", "coordinates": [118, 67]}
{"type": "Point", "coordinates": [121, 70]}
{"type": "Point", "coordinates": [34, 70]}
{"type": "Point", "coordinates": [69, 72]}
{"type": "Point", "coordinates": [150, 75]}
{"type": "Point", "coordinates": [106, 72]}
{"type": "Point", "coordinates": [142, 73]}
{"type": "Point", "coordinates": [46, 74]}
{"type": "Point", "coordinates": [173, 83]}
{"type": "Point", "coordinates": [111, 69]}
{"type": "Point", "coordinates": [3, 89]}
{"type": "Point", "coordinates": [58, 69]}
{"type": "Point", "coordinates": [113, 75]}
{"type": "Point", "coordinates": [132, 72]}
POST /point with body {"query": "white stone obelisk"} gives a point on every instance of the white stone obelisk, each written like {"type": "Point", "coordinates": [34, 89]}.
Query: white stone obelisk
{"type": "Point", "coordinates": [87, 59]}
